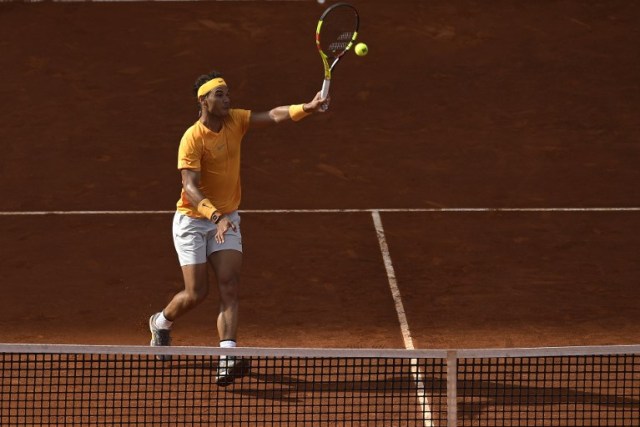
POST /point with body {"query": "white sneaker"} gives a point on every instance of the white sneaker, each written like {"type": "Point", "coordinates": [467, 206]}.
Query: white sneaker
{"type": "Point", "coordinates": [230, 368]}
{"type": "Point", "coordinates": [159, 337]}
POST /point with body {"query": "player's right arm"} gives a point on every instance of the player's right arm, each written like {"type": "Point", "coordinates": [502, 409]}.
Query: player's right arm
{"type": "Point", "coordinates": [190, 154]}
{"type": "Point", "coordinates": [191, 186]}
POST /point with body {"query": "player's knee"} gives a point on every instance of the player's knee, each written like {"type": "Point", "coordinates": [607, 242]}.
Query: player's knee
{"type": "Point", "coordinates": [196, 296]}
{"type": "Point", "coordinates": [229, 288]}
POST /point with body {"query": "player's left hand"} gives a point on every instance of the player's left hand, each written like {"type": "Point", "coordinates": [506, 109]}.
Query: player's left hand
{"type": "Point", "coordinates": [222, 227]}
{"type": "Point", "coordinates": [318, 104]}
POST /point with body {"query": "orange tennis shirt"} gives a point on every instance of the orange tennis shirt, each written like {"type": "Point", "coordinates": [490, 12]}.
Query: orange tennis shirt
{"type": "Point", "coordinates": [217, 156]}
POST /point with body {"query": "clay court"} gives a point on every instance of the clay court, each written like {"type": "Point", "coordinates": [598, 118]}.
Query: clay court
{"type": "Point", "coordinates": [519, 109]}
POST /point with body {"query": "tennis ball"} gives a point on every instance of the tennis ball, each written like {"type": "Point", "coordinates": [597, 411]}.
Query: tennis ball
{"type": "Point", "coordinates": [361, 49]}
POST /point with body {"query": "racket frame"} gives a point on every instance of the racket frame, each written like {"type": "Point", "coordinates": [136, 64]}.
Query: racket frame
{"type": "Point", "coordinates": [328, 68]}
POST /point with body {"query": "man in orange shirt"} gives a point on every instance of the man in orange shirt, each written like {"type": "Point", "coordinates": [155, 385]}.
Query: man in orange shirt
{"type": "Point", "coordinates": [206, 226]}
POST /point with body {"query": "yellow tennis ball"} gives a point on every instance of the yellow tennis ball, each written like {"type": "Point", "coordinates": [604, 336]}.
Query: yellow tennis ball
{"type": "Point", "coordinates": [361, 49]}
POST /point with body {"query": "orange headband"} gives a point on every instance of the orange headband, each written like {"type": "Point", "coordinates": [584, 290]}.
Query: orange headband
{"type": "Point", "coordinates": [210, 85]}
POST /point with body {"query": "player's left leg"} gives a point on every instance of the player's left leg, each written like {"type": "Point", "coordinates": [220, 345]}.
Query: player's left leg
{"type": "Point", "coordinates": [227, 265]}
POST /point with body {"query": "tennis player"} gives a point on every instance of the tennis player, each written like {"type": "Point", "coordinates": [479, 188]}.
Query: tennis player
{"type": "Point", "coordinates": [206, 225]}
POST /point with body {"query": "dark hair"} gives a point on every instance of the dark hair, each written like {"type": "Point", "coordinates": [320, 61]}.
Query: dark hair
{"type": "Point", "coordinates": [203, 79]}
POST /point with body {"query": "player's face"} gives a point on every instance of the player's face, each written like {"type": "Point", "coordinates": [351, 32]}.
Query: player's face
{"type": "Point", "coordinates": [218, 101]}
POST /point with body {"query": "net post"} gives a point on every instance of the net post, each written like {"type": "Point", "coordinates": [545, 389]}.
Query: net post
{"type": "Point", "coordinates": [452, 388]}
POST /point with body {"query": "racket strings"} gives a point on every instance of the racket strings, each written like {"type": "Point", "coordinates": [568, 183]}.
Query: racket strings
{"type": "Point", "coordinates": [338, 29]}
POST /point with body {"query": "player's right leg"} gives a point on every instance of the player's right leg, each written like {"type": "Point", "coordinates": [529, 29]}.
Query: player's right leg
{"type": "Point", "coordinates": [189, 236]}
{"type": "Point", "coordinates": [196, 288]}
{"type": "Point", "coordinates": [160, 336]}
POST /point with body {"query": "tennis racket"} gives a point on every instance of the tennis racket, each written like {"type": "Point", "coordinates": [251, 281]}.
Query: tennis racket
{"type": "Point", "coordinates": [336, 31]}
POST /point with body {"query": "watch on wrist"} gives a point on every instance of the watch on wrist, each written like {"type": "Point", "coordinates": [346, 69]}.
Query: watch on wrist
{"type": "Point", "coordinates": [216, 217]}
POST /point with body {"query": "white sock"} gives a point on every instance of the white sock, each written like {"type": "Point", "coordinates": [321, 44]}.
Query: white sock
{"type": "Point", "coordinates": [162, 322]}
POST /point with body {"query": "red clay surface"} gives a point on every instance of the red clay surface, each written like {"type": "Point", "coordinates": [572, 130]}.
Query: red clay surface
{"type": "Point", "coordinates": [458, 104]}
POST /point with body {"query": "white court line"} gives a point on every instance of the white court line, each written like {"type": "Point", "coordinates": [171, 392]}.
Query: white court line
{"type": "Point", "coordinates": [423, 399]}
{"type": "Point", "coordinates": [268, 211]}
{"type": "Point", "coordinates": [393, 283]}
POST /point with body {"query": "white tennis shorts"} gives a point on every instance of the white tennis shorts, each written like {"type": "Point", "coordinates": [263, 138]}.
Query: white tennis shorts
{"type": "Point", "coordinates": [194, 238]}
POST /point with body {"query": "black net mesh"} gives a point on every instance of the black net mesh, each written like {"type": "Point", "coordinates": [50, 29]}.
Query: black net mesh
{"type": "Point", "coordinates": [316, 387]}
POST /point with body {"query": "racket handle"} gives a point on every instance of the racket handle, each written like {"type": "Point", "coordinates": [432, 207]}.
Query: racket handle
{"type": "Point", "coordinates": [325, 92]}
{"type": "Point", "coordinates": [325, 88]}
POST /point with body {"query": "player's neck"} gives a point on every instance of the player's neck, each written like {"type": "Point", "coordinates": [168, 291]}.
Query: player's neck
{"type": "Point", "coordinates": [212, 123]}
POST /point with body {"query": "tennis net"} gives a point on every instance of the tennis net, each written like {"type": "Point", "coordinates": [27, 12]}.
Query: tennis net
{"type": "Point", "coordinates": [129, 386]}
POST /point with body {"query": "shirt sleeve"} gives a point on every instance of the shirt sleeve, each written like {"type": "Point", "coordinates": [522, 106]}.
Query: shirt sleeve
{"type": "Point", "coordinates": [189, 153]}
{"type": "Point", "coordinates": [243, 117]}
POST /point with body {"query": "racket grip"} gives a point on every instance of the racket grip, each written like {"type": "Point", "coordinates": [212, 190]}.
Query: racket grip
{"type": "Point", "coordinates": [325, 88]}
{"type": "Point", "coordinates": [325, 92]}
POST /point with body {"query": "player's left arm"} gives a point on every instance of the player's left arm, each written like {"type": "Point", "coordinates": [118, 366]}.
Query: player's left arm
{"type": "Point", "coordinates": [293, 112]}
